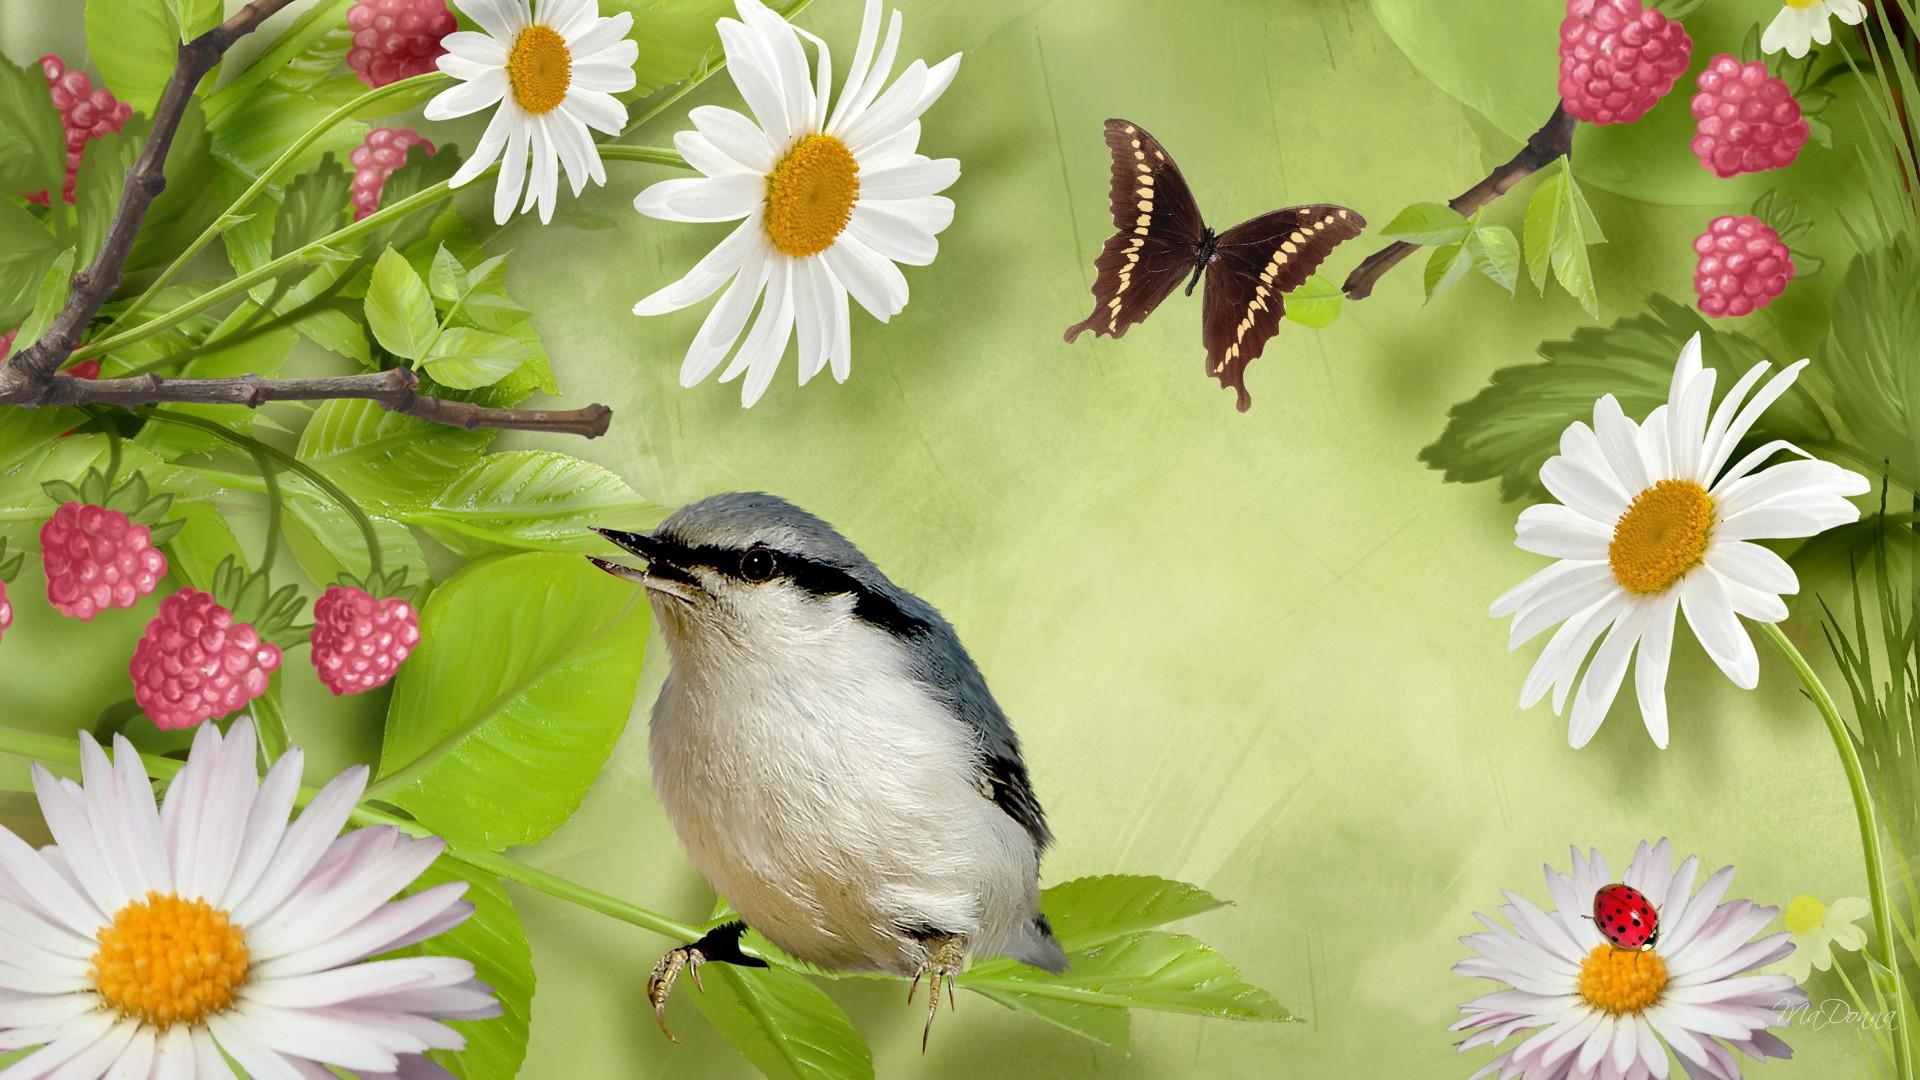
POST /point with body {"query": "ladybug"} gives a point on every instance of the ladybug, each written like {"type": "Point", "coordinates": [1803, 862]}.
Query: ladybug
{"type": "Point", "coordinates": [1626, 918]}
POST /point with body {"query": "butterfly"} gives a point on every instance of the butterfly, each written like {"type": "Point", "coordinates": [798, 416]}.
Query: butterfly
{"type": "Point", "coordinates": [1161, 239]}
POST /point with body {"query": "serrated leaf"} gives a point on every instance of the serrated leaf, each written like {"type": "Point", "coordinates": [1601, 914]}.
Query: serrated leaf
{"type": "Point", "coordinates": [137, 43]}
{"type": "Point", "coordinates": [315, 204]}
{"type": "Point", "coordinates": [33, 148]}
{"type": "Point", "coordinates": [1088, 911]}
{"type": "Point", "coordinates": [1513, 426]}
{"type": "Point", "coordinates": [1316, 303]}
{"type": "Point", "coordinates": [523, 682]}
{"type": "Point", "coordinates": [1574, 228]}
{"type": "Point", "coordinates": [1445, 267]}
{"type": "Point", "coordinates": [1103, 1024]}
{"type": "Point", "coordinates": [421, 171]}
{"type": "Point", "coordinates": [26, 250]}
{"type": "Point", "coordinates": [1146, 969]}
{"type": "Point", "coordinates": [399, 308]}
{"type": "Point", "coordinates": [447, 278]}
{"type": "Point", "coordinates": [1496, 253]}
{"type": "Point", "coordinates": [467, 359]}
{"type": "Point", "coordinates": [386, 459]}
{"type": "Point", "coordinates": [494, 940]}
{"type": "Point", "coordinates": [783, 1024]}
{"type": "Point", "coordinates": [530, 500]}
{"type": "Point", "coordinates": [1428, 223]}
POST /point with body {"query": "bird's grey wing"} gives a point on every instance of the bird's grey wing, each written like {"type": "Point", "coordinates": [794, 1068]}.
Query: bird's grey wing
{"type": "Point", "coordinates": [944, 666]}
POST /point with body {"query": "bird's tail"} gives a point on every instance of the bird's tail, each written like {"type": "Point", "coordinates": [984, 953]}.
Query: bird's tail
{"type": "Point", "coordinates": [1039, 948]}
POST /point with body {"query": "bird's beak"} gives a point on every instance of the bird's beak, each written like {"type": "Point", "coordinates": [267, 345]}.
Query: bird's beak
{"type": "Point", "coordinates": [662, 573]}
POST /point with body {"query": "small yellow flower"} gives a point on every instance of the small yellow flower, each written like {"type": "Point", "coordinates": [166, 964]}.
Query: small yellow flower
{"type": "Point", "coordinates": [1818, 929]}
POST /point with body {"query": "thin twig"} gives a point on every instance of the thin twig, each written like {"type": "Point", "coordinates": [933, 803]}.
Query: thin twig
{"type": "Point", "coordinates": [396, 390]}
{"type": "Point", "coordinates": [30, 377]}
{"type": "Point", "coordinates": [1554, 140]}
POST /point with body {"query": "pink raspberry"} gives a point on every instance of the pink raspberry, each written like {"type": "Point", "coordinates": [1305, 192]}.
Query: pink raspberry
{"type": "Point", "coordinates": [373, 160]}
{"type": "Point", "coordinates": [1744, 266]}
{"type": "Point", "coordinates": [85, 369]}
{"type": "Point", "coordinates": [1748, 120]}
{"type": "Point", "coordinates": [195, 663]}
{"type": "Point", "coordinates": [6, 610]}
{"type": "Point", "coordinates": [1618, 60]}
{"type": "Point", "coordinates": [85, 113]}
{"type": "Point", "coordinates": [396, 39]}
{"type": "Point", "coordinates": [360, 642]}
{"type": "Point", "coordinates": [96, 559]}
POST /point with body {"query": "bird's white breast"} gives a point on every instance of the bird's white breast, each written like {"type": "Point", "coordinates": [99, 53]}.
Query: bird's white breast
{"type": "Point", "coordinates": [831, 799]}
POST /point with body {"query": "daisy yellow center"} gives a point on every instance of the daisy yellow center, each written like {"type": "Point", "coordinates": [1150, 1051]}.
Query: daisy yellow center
{"type": "Point", "coordinates": [1804, 3]}
{"type": "Point", "coordinates": [1805, 914]}
{"type": "Point", "coordinates": [540, 69]}
{"type": "Point", "coordinates": [810, 195]}
{"type": "Point", "coordinates": [1621, 981]}
{"type": "Point", "coordinates": [1662, 535]}
{"type": "Point", "coordinates": [170, 961]}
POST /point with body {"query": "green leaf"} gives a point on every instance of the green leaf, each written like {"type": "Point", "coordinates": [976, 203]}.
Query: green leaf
{"type": "Point", "coordinates": [33, 148]}
{"type": "Point", "coordinates": [467, 359]}
{"type": "Point", "coordinates": [448, 278]}
{"type": "Point", "coordinates": [1316, 303]}
{"type": "Point", "coordinates": [1869, 355]}
{"type": "Point", "coordinates": [103, 175]}
{"type": "Point", "coordinates": [1102, 1023]}
{"type": "Point", "coordinates": [495, 940]}
{"type": "Point", "coordinates": [1542, 209]}
{"type": "Point", "coordinates": [528, 499]}
{"type": "Point", "coordinates": [523, 681]}
{"type": "Point", "coordinates": [204, 541]}
{"type": "Point", "coordinates": [1428, 223]}
{"type": "Point", "coordinates": [782, 1023]}
{"type": "Point", "coordinates": [1142, 970]}
{"type": "Point", "coordinates": [137, 43]}
{"type": "Point", "coordinates": [1092, 910]}
{"type": "Point", "coordinates": [399, 308]}
{"type": "Point", "coordinates": [1445, 267]}
{"type": "Point", "coordinates": [315, 204]}
{"type": "Point", "coordinates": [26, 250]}
{"type": "Point", "coordinates": [1496, 253]}
{"type": "Point", "coordinates": [192, 201]}
{"type": "Point", "coordinates": [1513, 426]}
{"type": "Point", "coordinates": [383, 458]}
{"type": "Point", "coordinates": [327, 543]}
{"type": "Point", "coordinates": [421, 171]}
{"type": "Point", "coordinates": [48, 300]}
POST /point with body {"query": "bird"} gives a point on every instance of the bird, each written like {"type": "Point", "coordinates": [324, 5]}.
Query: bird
{"type": "Point", "coordinates": [831, 757]}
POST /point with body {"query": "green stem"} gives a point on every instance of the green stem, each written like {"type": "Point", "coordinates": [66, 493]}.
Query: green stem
{"type": "Point", "coordinates": [1869, 830]}
{"type": "Point", "coordinates": [272, 172]}
{"type": "Point", "coordinates": [271, 477]}
{"type": "Point", "coordinates": [379, 219]}
{"type": "Point", "coordinates": [60, 750]}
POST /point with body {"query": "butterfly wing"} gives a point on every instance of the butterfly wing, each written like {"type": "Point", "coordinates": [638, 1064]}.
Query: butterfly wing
{"type": "Point", "coordinates": [1255, 264]}
{"type": "Point", "coordinates": [1158, 239]}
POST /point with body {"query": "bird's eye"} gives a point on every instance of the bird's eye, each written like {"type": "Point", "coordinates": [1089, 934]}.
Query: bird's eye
{"type": "Point", "coordinates": [757, 565]}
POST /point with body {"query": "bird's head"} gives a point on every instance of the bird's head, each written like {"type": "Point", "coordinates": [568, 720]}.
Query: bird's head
{"type": "Point", "coordinates": [752, 572]}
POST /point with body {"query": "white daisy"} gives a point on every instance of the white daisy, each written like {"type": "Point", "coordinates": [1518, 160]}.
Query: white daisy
{"type": "Point", "coordinates": [1595, 1012]}
{"type": "Point", "coordinates": [831, 199]}
{"type": "Point", "coordinates": [145, 942]}
{"type": "Point", "coordinates": [1803, 22]}
{"type": "Point", "coordinates": [1652, 520]}
{"type": "Point", "coordinates": [553, 75]}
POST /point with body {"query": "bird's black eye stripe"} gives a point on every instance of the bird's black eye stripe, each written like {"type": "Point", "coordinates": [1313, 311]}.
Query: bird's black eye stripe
{"type": "Point", "coordinates": [818, 578]}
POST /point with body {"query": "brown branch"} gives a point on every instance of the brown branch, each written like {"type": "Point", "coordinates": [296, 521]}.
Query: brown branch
{"type": "Point", "coordinates": [396, 390]}
{"type": "Point", "coordinates": [1553, 140]}
{"type": "Point", "coordinates": [30, 378]}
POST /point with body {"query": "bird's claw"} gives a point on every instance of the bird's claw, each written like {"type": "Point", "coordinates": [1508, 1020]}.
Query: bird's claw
{"type": "Point", "coordinates": [686, 958]}
{"type": "Point", "coordinates": [944, 962]}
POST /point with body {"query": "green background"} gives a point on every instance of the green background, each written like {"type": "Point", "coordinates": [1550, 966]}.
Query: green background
{"type": "Point", "coordinates": [1249, 651]}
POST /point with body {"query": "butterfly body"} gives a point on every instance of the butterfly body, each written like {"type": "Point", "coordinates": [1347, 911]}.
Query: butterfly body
{"type": "Point", "coordinates": [1162, 240]}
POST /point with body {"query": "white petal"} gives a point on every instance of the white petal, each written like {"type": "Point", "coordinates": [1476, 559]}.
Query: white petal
{"type": "Point", "coordinates": [1590, 493]}
{"type": "Point", "coordinates": [305, 843]}
{"type": "Point", "coordinates": [707, 275]}
{"type": "Point", "coordinates": [598, 110]}
{"type": "Point", "coordinates": [872, 79]}
{"type": "Point", "coordinates": [377, 933]}
{"type": "Point", "coordinates": [467, 98]}
{"type": "Point", "coordinates": [840, 355]}
{"type": "Point", "coordinates": [781, 45]}
{"type": "Point", "coordinates": [1650, 667]}
{"type": "Point", "coordinates": [1753, 565]}
{"type": "Point", "coordinates": [265, 825]}
{"type": "Point", "coordinates": [895, 109]}
{"type": "Point", "coordinates": [513, 173]}
{"type": "Point", "coordinates": [892, 236]}
{"type": "Point", "coordinates": [1603, 678]}
{"type": "Point", "coordinates": [492, 141]}
{"type": "Point", "coordinates": [478, 49]}
{"type": "Point", "coordinates": [735, 136]}
{"type": "Point", "coordinates": [543, 188]}
{"type": "Point", "coordinates": [600, 36]}
{"type": "Point", "coordinates": [911, 180]}
{"type": "Point", "coordinates": [504, 19]}
{"type": "Point", "coordinates": [1574, 592]}
{"type": "Point", "coordinates": [1619, 441]}
{"type": "Point", "coordinates": [236, 1037]}
{"type": "Point", "coordinates": [1710, 613]}
{"type": "Point", "coordinates": [1749, 414]}
{"type": "Point", "coordinates": [757, 78]}
{"type": "Point", "coordinates": [724, 323]}
{"type": "Point", "coordinates": [813, 297]}
{"type": "Point", "coordinates": [760, 354]}
{"type": "Point", "coordinates": [704, 156]}
{"type": "Point", "coordinates": [1560, 532]}
{"type": "Point", "coordinates": [875, 282]}
{"type": "Point", "coordinates": [701, 199]}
